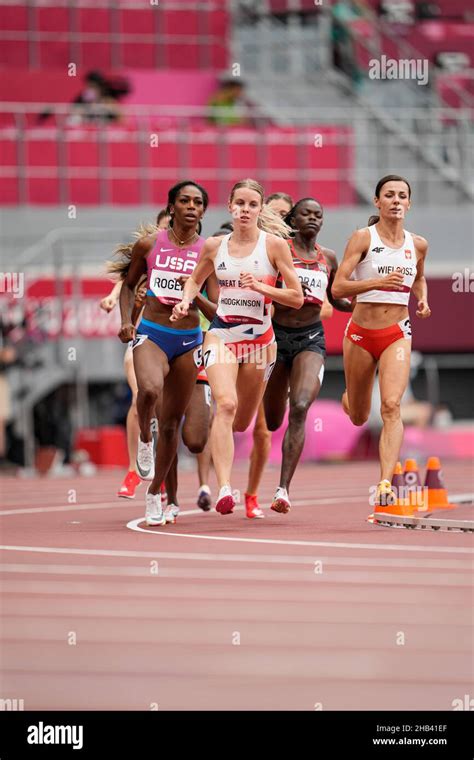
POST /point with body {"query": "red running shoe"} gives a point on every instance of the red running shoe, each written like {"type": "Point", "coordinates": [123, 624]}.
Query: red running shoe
{"type": "Point", "coordinates": [252, 507]}
{"type": "Point", "coordinates": [129, 485]}
{"type": "Point", "coordinates": [225, 502]}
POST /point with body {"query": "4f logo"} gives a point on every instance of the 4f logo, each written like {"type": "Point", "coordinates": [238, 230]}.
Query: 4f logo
{"type": "Point", "coordinates": [378, 249]}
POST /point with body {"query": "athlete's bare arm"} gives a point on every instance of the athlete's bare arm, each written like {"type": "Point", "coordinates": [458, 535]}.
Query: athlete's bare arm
{"type": "Point", "coordinates": [420, 288]}
{"type": "Point", "coordinates": [136, 271]}
{"type": "Point", "coordinates": [203, 270]}
{"type": "Point", "coordinates": [341, 304]}
{"type": "Point", "coordinates": [280, 258]}
{"type": "Point", "coordinates": [344, 287]}
{"type": "Point", "coordinates": [110, 302]}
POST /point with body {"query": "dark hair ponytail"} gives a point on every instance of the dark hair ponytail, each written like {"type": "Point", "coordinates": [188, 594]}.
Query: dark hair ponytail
{"type": "Point", "coordinates": [374, 219]}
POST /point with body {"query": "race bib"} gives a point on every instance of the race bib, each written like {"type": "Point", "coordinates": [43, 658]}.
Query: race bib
{"type": "Point", "coordinates": [243, 306]}
{"type": "Point", "coordinates": [165, 286]}
{"type": "Point", "coordinates": [317, 282]}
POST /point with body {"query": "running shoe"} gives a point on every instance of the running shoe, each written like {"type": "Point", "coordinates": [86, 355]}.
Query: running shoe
{"type": "Point", "coordinates": [171, 513]}
{"type": "Point", "coordinates": [385, 497]}
{"type": "Point", "coordinates": [129, 485]}
{"type": "Point", "coordinates": [225, 501]}
{"type": "Point", "coordinates": [145, 460]}
{"type": "Point", "coordinates": [281, 501]}
{"type": "Point", "coordinates": [204, 498]}
{"type": "Point", "coordinates": [252, 507]}
{"type": "Point", "coordinates": [154, 514]}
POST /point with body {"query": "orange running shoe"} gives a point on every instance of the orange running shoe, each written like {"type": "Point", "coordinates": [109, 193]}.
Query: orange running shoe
{"type": "Point", "coordinates": [252, 507]}
{"type": "Point", "coordinates": [129, 485]}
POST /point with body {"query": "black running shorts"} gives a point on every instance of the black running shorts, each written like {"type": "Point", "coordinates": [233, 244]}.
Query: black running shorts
{"type": "Point", "coordinates": [291, 341]}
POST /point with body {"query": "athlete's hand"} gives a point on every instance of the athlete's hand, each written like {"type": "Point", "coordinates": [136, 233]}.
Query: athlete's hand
{"type": "Point", "coordinates": [423, 311]}
{"type": "Point", "coordinates": [108, 303]}
{"type": "Point", "coordinates": [306, 289]}
{"type": "Point", "coordinates": [180, 310]}
{"type": "Point", "coordinates": [182, 279]}
{"type": "Point", "coordinates": [249, 282]}
{"type": "Point", "coordinates": [127, 332]}
{"type": "Point", "coordinates": [393, 281]}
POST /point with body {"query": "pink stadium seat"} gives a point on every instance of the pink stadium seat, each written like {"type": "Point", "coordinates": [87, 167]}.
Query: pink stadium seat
{"type": "Point", "coordinates": [95, 55]}
{"type": "Point", "coordinates": [14, 18]}
{"type": "Point", "coordinates": [242, 151]}
{"type": "Point", "coordinates": [84, 191]}
{"type": "Point", "coordinates": [54, 53]}
{"type": "Point", "coordinates": [41, 147]}
{"type": "Point", "coordinates": [183, 56]}
{"type": "Point", "coordinates": [82, 147]}
{"type": "Point", "coordinates": [52, 19]}
{"type": "Point", "coordinates": [14, 53]}
{"type": "Point", "coordinates": [185, 22]}
{"type": "Point", "coordinates": [43, 191]}
{"type": "Point", "coordinates": [8, 170]}
{"type": "Point", "coordinates": [138, 55]}
{"type": "Point", "coordinates": [218, 24]}
{"type": "Point", "coordinates": [125, 191]}
{"type": "Point", "coordinates": [122, 149]}
{"type": "Point", "coordinates": [139, 21]}
{"type": "Point", "coordinates": [159, 190]}
{"type": "Point", "coordinates": [203, 150]}
{"type": "Point", "coordinates": [96, 20]}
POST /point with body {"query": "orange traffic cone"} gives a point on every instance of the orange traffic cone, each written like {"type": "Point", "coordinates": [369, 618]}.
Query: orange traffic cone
{"type": "Point", "coordinates": [402, 505]}
{"type": "Point", "coordinates": [416, 495]}
{"type": "Point", "coordinates": [437, 493]}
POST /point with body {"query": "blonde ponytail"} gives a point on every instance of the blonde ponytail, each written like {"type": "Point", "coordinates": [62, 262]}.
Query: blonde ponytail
{"type": "Point", "coordinates": [124, 251]}
{"type": "Point", "coordinates": [270, 221]}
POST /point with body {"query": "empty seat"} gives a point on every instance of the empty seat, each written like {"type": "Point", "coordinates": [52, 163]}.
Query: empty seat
{"type": "Point", "coordinates": [14, 18]}
{"type": "Point", "coordinates": [95, 55]}
{"type": "Point", "coordinates": [14, 53]}
{"type": "Point", "coordinates": [54, 53]}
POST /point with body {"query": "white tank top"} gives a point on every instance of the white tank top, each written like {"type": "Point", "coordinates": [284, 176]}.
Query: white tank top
{"type": "Point", "coordinates": [381, 260]}
{"type": "Point", "coordinates": [237, 305]}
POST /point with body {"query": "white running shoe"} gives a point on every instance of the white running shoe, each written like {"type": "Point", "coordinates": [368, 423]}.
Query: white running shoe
{"type": "Point", "coordinates": [154, 514]}
{"type": "Point", "coordinates": [281, 501]}
{"type": "Point", "coordinates": [204, 498]}
{"type": "Point", "coordinates": [145, 460]}
{"type": "Point", "coordinates": [171, 513]}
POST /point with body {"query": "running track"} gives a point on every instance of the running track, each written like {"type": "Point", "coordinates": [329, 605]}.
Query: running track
{"type": "Point", "coordinates": [318, 599]}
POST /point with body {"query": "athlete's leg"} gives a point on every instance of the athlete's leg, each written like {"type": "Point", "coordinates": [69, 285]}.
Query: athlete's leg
{"type": "Point", "coordinates": [196, 420]}
{"type": "Point", "coordinates": [275, 399]}
{"type": "Point", "coordinates": [394, 371]}
{"type": "Point", "coordinates": [304, 387]}
{"type": "Point", "coordinates": [222, 369]}
{"type": "Point", "coordinates": [171, 483]}
{"type": "Point", "coordinates": [151, 367]}
{"type": "Point", "coordinates": [262, 441]}
{"type": "Point", "coordinates": [133, 428]}
{"type": "Point", "coordinates": [177, 391]}
{"type": "Point", "coordinates": [359, 369]}
{"type": "Point", "coordinates": [252, 380]}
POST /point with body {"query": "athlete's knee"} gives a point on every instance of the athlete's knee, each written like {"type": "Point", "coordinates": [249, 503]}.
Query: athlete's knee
{"type": "Point", "coordinates": [226, 406]}
{"type": "Point", "coordinates": [274, 422]}
{"type": "Point", "coordinates": [359, 417]}
{"type": "Point", "coordinates": [195, 442]}
{"type": "Point", "coordinates": [262, 437]}
{"type": "Point", "coordinates": [299, 410]}
{"type": "Point", "coordinates": [390, 408]}
{"type": "Point", "coordinates": [150, 391]}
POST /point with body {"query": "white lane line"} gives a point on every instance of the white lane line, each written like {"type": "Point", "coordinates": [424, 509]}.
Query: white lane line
{"type": "Point", "coordinates": [413, 578]}
{"type": "Point", "coordinates": [120, 505]}
{"type": "Point", "coordinates": [134, 525]}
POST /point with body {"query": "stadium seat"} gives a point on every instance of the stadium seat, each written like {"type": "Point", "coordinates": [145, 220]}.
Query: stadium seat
{"type": "Point", "coordinates": [137, 55]}
{"type": "Point", "coordinates": [14, 53]}
{"type": "Point", "coordinates": [125, 191]}
{"type": "Point", "coordinates": [183, 55]}
{"type": "Point", "coordinates": [52, 19]}
{"type": "Point", "coordinates": [95, 55]}
{"type": "Point", "coordinates": [8, 170]}
{"type": "Point", "coordinates": [95, 20]}
{"type": "Point", "coordinates": [185, 22]}
{"type": "Point", "coordinates": [14, 18]}
{"type": "Point", "coordinates": [54, 53]}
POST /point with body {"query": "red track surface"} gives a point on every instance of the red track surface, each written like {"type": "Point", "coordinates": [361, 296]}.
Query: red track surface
{"type": "Point", "coordinates": [318, 598]}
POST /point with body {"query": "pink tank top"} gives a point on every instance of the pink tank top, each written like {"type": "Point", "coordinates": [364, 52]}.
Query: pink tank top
{"type": "Point", "coordinates": [166, 264]}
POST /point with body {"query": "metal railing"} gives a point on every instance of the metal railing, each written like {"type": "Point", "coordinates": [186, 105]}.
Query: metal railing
{"type": "Point", "coordinates": [446, 134]}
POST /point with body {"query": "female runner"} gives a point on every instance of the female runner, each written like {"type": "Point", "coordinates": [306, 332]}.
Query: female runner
{"type": "Point", "coordinates": [382, 264]}
{"type": "Point", "coordinates": [239, 349]}
{"type": "Point", "coordinates": [300, 341]}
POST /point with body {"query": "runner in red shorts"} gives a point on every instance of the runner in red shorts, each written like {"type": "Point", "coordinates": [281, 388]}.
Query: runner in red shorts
{"type": "Point", "coordinates": [382, 264]}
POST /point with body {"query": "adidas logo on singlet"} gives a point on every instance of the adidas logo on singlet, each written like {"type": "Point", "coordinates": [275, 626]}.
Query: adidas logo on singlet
{"type": "Point", "coordinates": [377, 249]}
{"type": "Point", "coordinates": [222, 266]}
